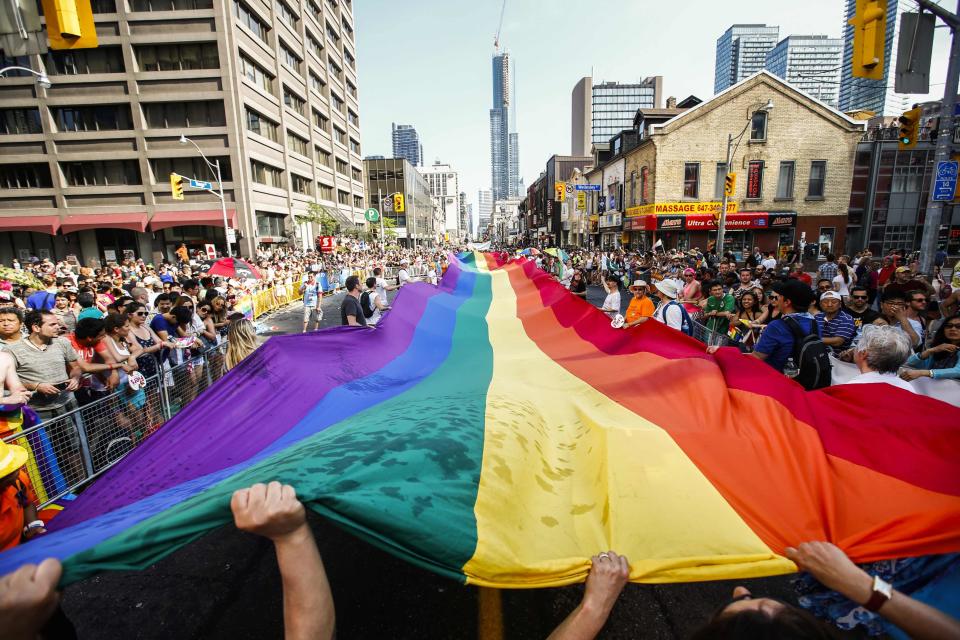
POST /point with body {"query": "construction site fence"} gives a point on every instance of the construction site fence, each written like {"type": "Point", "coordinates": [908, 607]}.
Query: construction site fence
{"type": "Point", "coordinates": [76, 443]}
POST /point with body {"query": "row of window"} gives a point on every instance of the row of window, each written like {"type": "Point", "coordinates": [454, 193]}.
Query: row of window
{"type": "Point", "coordinates": [270, 176]}
{"type": "Point", "coordinates": [108, 172]}
{"type": "Point", "coordinates": [263, 126]}
{"type": "Point", "coordinates": [114, 117]}
{"type": "Point", "coordinates": [753, 180]}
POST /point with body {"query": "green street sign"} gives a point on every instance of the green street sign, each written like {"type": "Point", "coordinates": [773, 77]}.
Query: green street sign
{"type": "Point", "coordinates": [372, 215]}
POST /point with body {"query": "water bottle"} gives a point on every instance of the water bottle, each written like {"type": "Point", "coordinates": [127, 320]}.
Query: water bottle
{"type": "Point", "coordinates": [790, 369]}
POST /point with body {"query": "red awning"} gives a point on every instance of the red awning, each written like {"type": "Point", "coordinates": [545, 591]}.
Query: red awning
{"type": "Point", "coordinates": [210, 218]}
{"type": "Point", "coordinates": [134, 221]}
{"type": "Point", "coordinates": [40, 224]}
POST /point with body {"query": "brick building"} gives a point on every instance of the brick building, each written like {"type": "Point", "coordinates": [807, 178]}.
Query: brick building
{"type": "Point", "coordinates": [794, 166]}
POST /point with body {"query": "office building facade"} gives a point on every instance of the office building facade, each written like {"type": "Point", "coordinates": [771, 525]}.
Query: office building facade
{"type": "Point", "coordinates": [414, 226]}
{"type": "Point", "coordinates": [810, 63]}
{"type": "Point", "coordinates": [268, 90]}
{"type": "Point", "coordinates": [406, 143]}
{"type": "Point", "coordinates": [484, 212]}
{"type": "Point", "coordinates": [863, 94]}
{"type": "Point", "coordinates": [444, 185]}
{"type": "Point", "coordinates": [601, 111]}
{"type": "Point", "coordinates": [741, 52]}
{"type": "Point", "coordinates": [504, 140]}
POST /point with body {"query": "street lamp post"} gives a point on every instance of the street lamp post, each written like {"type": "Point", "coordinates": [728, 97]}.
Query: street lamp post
{"type": "Point", "coordinates": [42, 78]}
{"type": "Point", "coordinates": [731, 151]}
{"type": "Point", "coordinates": [215, 166]}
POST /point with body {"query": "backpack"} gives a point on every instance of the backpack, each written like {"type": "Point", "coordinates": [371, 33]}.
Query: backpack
{"type": "Point", "coordinates": [811, 355]}
{"type": "Point", "coordinates": [686, 325]}
{"type": "Point", "coordinates": [365, 305]}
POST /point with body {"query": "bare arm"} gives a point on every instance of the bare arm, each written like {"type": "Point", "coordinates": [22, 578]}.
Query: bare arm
{"type": "Point", "coordinates": [18, 393]}
{"type": "Point", "coordinates": [608, 575]}
{"type": "Point", "coordinates": [273, 511]}
{"type": "Point", "coordinates": [831, 566]}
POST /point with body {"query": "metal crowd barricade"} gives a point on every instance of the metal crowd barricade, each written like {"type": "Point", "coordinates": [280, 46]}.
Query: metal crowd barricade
{"type": "Point", "coordinates": [71, 449]}
{"type": "Point", "coordinates": [709, 337]}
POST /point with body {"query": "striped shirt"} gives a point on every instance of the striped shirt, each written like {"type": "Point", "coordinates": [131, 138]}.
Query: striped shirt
{"type": "Point", "coordinates": [842, 326]}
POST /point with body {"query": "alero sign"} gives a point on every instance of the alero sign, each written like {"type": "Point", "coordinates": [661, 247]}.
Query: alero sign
{"type": "Point", "coordinates": [682, 208]}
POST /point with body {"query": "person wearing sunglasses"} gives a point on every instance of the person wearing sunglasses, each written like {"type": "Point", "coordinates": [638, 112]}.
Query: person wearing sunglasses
{"type": "Point", "coordinates": [942, 359]}
{"type": "Point", "coordinates": [858, 307]}
{"type": "Point", "coordinates": [745, 615]}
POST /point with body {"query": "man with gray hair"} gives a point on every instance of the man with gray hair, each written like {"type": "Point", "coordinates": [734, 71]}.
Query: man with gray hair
{"type": "Point", "coordinates": [881, 351]}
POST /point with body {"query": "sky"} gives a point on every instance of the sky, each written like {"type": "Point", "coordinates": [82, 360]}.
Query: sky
{"type": "Point", "coordinates": [428, 63]}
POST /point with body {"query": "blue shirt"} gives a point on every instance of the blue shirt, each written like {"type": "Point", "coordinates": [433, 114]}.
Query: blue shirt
{"type": "Point", "coordinates": [777, 340]}
{"type": "Point", "coordinates": [42, 301]}
{"type": "Point", "coordinates": [310, 292]}
{"type": "Point", "coordinates": [842, 326]}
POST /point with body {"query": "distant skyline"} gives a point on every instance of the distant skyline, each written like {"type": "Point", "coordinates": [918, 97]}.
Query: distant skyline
{"type": "Point", "coordinates": [428, 63]}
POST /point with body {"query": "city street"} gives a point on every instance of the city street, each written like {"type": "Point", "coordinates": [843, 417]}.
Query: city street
{"type": "Point", "coordinates": [226, 585]}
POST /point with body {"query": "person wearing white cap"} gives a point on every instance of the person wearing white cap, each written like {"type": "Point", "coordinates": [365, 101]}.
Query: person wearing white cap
{"type": "Point", "coordinates": [403, 275]}
{"type": "Point", "coordinates": [670, 312]}
{"type": "Point", "coordinates": [836, 325]}
{"type": "Point", "coordinates": [641, 307]}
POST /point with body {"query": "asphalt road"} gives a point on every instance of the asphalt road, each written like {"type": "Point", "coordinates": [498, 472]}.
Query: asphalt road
{"type": "Point", "coordinates": [226, 585]}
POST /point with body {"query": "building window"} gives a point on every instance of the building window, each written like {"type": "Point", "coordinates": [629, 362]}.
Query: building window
{"type": "Point", "coordinates": [325, 192]}
{"type": "Point", "coordinates": [110, 117]}
{"type": "Point", "coordinates": [349, 59]}
{"type": "Point", "coordinates": [169, 5]}
{"type": "Point", "coordinates": [261, 126]}
{"type": "Point", "coordinates": [103, 6]}
{"type": "Point", "coordinates": [356, 174]}
{"type": "Point", "coordinates": [332, 34]}
{"type": "Point", "coordinates": [785, 180]}
{"type": "Point", "coordinates": [314, 45]}
{"type": "Point", "coordinates": [323, 156]}
{"type": "Point", "coordinates": [25, 176]}
{"type": "Point", "coordinates": [691, 180]}
{"type": "Point", "coordinates": [336, 101]}
{"type": "Point", "coordinates": [270, 224]}
{"type": "Point", "coordinates": [286, 14]}
{"type": "Point", "coordinates": [354, 146]}
{"type": "Point", "coordinates": [351, 89]}
{"type": "Point", "coordinates": [758, 125]}
{"type": "Point", "coordinates": [101, 172]}
{"type": "Point", "coordinates": [907, 179]}
{"type": "Point", "coordinates": [177, 57]}
{"type": "Point", "coordinates": [755, 179]}
{"type": "Point", "coordinates": [294, 101]}
{"type": "Point", "coordinates": [340, 135]}
{"type": "Point", "coordinates": [317, 83]}
{"type": "Point", "coordinates": [321, 121]}
{"type": "Point", "coordinates": [256, 74]}
{"type": "Point", "coordinates": [83, 61]}
{"type": "Point", "coordinates": [343, 197]}
{"type": "Point", "coordinates": [265, 174]}
{"type": "Point", "coordinates": [334, 69]}
{"type": "Point", "coordinates": [358, 202]}
{"type": "Point", "coordinates": [718, 183]}
{"type": "Point", "coordinates": [191, 167]}
{"type": "Point", "coordinates": [818, 179]}
{"type": "Point", "coordinates": [644, 184]}
{"type": "Point", "coordinates": [342, 167]}
{"type": "Point", "coordinates": [633, 188]}
{"type": "Point", "coordinates": [289, 58]}
{"type": "Point", "coordinates": [20, 121]}
{"type": "Point", "coordinates": [315, 11]}
{"type": "Point", "coordinates": [251, 21]}
{"type": "Point", "coordinates": [297, 144]}
{"type": "Point", "coordinates": [166, 115]}
{"type": "Point", "coordinates": [300, 184]}
{"type": "Point", "coordinates": [347, 29]}
{"type": "Point", "coordinates": [353, 118]}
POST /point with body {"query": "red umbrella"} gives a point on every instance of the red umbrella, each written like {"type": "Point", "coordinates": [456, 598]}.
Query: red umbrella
{"type": "Point", "coordinates": [232, 268]}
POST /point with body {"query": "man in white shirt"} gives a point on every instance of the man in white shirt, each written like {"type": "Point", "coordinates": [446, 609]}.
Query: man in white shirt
{"type": "Point", "coordinates": [403, 276]}
{"type": "Point", "coordinates": [378, 304]}
{"type": "Point", "coordinates": [770, 263]}
{"type": "Point", "coordinates": [667, 313]}
{"type": "Point", "coordinates": [881, 351]}
{"type": "Point", "coordinates": [567, 274]}
{"type": "Point", "coordinates": [611, 304]}
{"type": "Point", "coordinates": [382, 286]}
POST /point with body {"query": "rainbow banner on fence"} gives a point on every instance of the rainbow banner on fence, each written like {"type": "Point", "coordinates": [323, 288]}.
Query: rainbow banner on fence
{"type": "Point", "coordinates": [497, 430]}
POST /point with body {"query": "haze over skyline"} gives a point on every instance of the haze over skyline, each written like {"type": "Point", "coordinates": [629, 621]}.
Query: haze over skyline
{"type": "Point", "coordinates": [450, 44]}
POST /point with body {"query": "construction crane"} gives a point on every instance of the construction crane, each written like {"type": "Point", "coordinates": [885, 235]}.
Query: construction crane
{"type": "Point", "coordinates": [496, 38]}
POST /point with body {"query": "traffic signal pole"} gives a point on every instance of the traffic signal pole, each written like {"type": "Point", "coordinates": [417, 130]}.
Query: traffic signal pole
{"type": "Point", "coordinates": [934, 213]}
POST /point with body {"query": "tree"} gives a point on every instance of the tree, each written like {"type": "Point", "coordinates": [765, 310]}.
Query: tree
{"type": "Point", "coordinates": [320, 215]}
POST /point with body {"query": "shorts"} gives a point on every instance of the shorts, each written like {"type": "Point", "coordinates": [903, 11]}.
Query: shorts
{"type": "Point", "coordinates": [312, 314]}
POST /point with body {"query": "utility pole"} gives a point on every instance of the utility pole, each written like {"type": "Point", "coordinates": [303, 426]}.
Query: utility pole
{"type": "Point", "coordinates": [934, 214]}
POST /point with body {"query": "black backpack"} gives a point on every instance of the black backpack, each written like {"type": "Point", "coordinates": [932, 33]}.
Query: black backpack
{"type": "Point", "coordinates": [811, 355]}
{"type": "Point", "coordinates": [365, 305]}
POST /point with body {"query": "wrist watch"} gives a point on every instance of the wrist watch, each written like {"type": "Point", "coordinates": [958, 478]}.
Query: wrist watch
{"type": "Point", "coordinates": [882, 591]}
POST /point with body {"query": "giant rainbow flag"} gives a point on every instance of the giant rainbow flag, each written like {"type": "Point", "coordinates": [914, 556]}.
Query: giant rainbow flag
{"type": "Point", "coordinates": [497, 430]}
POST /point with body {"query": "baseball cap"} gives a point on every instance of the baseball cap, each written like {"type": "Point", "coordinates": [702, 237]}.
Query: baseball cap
{"type": "Point", "coordinates": [902, 269]}
{"type": "Point", "coordinates": [830, 295]}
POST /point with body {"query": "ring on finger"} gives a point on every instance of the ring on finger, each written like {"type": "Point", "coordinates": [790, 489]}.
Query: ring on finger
{"type": "Point", "coordinates": [604, 556]}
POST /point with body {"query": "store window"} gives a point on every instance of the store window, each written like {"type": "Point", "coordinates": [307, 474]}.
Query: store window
{"type": "Point", "coordinates": [826, 240]}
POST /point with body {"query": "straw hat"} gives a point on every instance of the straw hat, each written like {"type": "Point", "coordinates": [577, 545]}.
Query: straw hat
{"type": "Point", "coordinates": [637, 284]}
{"type": "Point", "coordinates": [12, 458]}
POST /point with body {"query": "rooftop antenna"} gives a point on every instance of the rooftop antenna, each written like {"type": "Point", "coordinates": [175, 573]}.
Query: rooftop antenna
{"type": "Point", "coordinates": [496, 38]}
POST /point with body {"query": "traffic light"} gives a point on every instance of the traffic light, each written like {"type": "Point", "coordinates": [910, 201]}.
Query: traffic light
{"type": "Point", "coordinates": [398, 203]}
{"type": "Point", "coordinates": [560, 191]}
{"type": "Point", "coordinates": [176, 186]}
{"type": "Point", "coordinates": [869, 38]}
{"type": "Point", "coordinates": [70, 24]}
{"type": "Point", "coordinates": [909, 128]}
{"type": "Point", "coordinates": [730, 185]}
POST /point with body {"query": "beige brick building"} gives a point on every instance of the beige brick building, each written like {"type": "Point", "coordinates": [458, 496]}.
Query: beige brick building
{"type": "Point", "coordinates": [794, 166]}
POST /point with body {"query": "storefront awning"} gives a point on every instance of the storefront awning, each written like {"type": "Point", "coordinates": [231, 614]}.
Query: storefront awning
{"type": "Point", "coordinates": [134, 221]}
{"type": "Point", "coordinates": [208, 218]}
{"type": "Point", "coordinates": [696, 222]}
{"type": "Point", "coordinates": [40, 224]}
